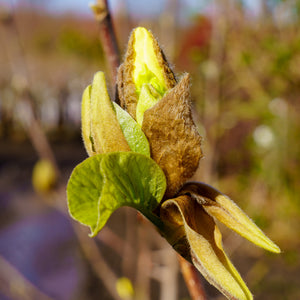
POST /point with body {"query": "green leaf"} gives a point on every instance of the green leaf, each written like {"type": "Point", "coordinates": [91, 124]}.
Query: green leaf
{"type": "Point", "coordinates": [105, 182]}
{"type": "Point", "coordinates": [133, 133]}
{"type": "Point", "coordinates": [84, 190]}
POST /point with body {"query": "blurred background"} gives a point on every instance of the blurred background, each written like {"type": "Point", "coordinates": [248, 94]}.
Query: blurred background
{"type": "Point", "coordinates": [244, 60]}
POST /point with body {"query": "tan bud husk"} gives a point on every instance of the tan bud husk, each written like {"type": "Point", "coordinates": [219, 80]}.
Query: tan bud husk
{"type": "Point", "coordinates": [127, 90]}
{"type": "Point", "coordinates": [174, 140]}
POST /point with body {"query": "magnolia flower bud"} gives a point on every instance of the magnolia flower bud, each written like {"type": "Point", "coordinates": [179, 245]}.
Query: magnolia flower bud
{"type": "Point", "coordinates": [144, 64]}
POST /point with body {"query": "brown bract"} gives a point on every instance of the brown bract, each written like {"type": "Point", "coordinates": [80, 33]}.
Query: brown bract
{"type": "Point", "coordinates": [174, 140]}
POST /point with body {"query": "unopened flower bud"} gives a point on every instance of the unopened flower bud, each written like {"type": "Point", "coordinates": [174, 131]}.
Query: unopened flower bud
{"type": "Point", "coordinates": [149, 92]}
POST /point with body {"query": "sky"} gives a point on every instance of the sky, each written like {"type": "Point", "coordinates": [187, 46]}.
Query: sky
{"type": "Point", "coordinates": [135, 7]}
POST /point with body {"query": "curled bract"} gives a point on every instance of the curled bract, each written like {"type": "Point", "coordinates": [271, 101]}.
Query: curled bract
{"type": "Point", "coordinates": [193, 233]}
{"type": "Point", "coordinates": [196, 237]}
{"type": "Point", "coordinates": [174, 140]}
{"type": "Point", "coordinates": [221, 207]}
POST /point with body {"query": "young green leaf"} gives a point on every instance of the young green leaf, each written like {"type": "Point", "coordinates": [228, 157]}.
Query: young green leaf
{"type": "Point", "coordinates": [148, 98]}
{"type": "Point", "coordinates": [105, 182]}
{"type": "Point", "coordinates": [147, 66]}
{"type": "Point", "coordinates": [133, 133]}
{"type": "Point", "coordinates": [84, 190]}
{"type": "Point", "coordinates": [130, 179]}
{"type": "Point", "coordinates": [144, 63]}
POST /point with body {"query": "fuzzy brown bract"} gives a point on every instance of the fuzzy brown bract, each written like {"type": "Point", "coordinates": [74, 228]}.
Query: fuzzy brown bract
{"type": "Point", "coordinates": [174, 140]}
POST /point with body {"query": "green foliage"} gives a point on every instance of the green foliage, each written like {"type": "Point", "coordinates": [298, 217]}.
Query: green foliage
{"type": "Point", "coordinates": [133, 133]}
{"type": "Point", "coordinates": [105, 182]}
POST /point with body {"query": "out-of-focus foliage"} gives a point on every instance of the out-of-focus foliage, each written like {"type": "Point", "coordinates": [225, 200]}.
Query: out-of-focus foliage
{"type": "Point", "coordinates": [49, 59]}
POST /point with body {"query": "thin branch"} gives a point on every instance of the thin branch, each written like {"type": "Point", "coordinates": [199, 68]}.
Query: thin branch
{"type": "Point", "coordinates": [107, 37]}
{"type": "Point", "coordinates": [42, 146]}
{"type": "Point", "coordinates": [89, 246]}
{"type": "Point", "coordinates": [15, 285]}
{"type": "Point", "coordinates": [97, 262]}
{"type": "Point", "coordinates": [192, 280]}
{"type": "Point", "coordinates": [16, 55]}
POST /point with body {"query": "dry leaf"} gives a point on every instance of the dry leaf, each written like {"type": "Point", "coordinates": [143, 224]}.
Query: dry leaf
{"type": "Point", "coordinates": [226, 211]}
{"type": "Point", "coordinates": [194, 234]}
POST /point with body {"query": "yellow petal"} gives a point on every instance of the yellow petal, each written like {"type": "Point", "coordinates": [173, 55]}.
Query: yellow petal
{"type": "Point", "coordinates": [205, 245]}
{"type": "Point", "coordinates": [226, 211]}
{"type": "Point", "coordinates": [106, 132]}
{"type": "Point", "coordinates": [147, 68]}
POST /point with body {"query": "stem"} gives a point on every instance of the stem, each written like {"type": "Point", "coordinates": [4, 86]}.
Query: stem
{"type": "Point", "coordinates": [97, 261]}
{"type": "Point", "coordinates": [107, 37]}
{"type": "Point", "coordinates": [154, 219]}
{"type": "Point", "coordinates": [14, 285]}
{"type": "Point", "coordinates": [192, 279]}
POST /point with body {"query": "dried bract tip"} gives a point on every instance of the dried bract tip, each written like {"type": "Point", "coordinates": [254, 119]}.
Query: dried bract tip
{"type": "Point", "coordinates": [226, 211]}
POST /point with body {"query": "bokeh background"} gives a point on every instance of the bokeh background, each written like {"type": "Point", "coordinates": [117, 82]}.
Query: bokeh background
{"type": "Point", "coordinates": [244, 60]}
